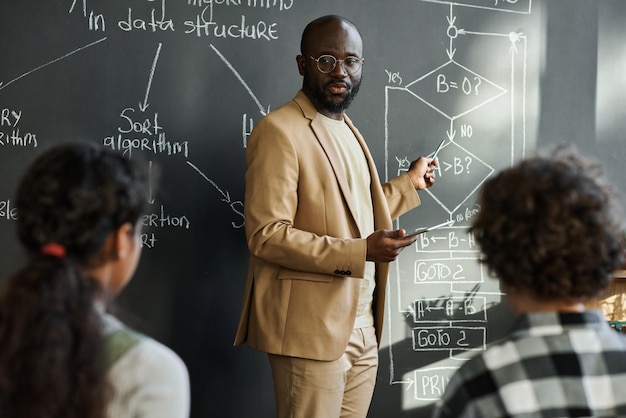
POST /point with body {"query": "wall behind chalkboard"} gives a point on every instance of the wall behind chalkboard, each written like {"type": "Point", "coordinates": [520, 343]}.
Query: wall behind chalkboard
{"type": "Point", "coordinates": [181, 84]}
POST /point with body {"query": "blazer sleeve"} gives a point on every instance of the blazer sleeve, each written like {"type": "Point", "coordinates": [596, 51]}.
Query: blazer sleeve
{"type": "Point", "coordinates": [401, 195]}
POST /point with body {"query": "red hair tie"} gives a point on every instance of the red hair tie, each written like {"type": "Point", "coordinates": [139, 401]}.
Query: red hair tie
{"type": "Point", "coordinates": [55, 250]}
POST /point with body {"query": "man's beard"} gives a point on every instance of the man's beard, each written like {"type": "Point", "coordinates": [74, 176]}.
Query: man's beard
{"type": "Point", "coordinates": [319, 100]}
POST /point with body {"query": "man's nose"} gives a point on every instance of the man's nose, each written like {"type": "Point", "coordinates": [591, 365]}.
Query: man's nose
{"type": "Point", "coordinates": [339, 69]}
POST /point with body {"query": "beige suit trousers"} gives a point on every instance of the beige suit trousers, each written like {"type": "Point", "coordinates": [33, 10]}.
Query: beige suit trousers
{"type": "Point", "coordinates": [342, 388]}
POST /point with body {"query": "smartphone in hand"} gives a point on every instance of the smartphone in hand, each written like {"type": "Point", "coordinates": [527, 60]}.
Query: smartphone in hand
{"type": "Point", "coordinates": [430, 228]}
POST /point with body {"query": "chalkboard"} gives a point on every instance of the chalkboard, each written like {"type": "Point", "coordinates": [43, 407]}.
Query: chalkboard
{"type": "Point", "coordinates": [181, 85]}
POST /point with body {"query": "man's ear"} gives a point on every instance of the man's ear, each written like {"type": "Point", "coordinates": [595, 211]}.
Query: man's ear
{"type": "Point", "coordinates": [123, 240]}
{"type": "Point", "coordinates": [300, 60]}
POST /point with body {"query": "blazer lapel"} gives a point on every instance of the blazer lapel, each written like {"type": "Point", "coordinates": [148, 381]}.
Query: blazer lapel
{"type": "Point", "coordinates": [323, 138]}
{"type": "Point", "coordinates": [335, 162]}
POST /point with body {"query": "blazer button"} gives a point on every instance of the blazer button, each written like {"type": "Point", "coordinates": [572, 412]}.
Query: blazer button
{"type": "Point", "coordinates": [348, 273]}
{"type": "Point", "coordinates": [337, 271]}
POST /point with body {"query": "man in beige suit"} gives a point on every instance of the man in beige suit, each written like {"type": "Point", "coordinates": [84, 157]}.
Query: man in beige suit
{"type": "Point", "coordinates": [319, 230]}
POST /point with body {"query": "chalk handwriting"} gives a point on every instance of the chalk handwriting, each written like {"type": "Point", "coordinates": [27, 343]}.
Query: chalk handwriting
{"type": "Point", "coordinates": [160, 220]}
{"type": "Point", "coordinates": [7, 211]}
{"type": "Point", "coordinates": [140, 133]}
{"type": "Point", "coordinates": [153, 23]}
{"type": "Point", "coordinates": [247, 129]}
{"type": "Point", "coordinates": [241, 30]}
{"type": "Point", "coordinates": [18, 139]}
{"type": "Point", "coordinates": [148, 240]}
{"type": "Point", "coordinates": [202, 24]}
{"type": "Point", "coordinates": [163, 219]}
{"type": "Point", "coordinates": [158, 145]}
{"type": "Point", "coordinates": [264, 4]}
{"type": "Point", "coordinates": [10, 117]}
{"type": "Point", "coordinates": [393, 78]}
{"type": "Point", "coordinates": [97, 21]}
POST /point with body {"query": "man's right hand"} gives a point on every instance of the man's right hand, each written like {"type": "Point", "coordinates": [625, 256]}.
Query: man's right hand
{"type": "Point", "coordinates": [384, 245]}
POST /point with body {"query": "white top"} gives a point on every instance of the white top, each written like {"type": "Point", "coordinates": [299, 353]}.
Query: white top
{"type": "Point", "coordinates": [149, 380]}
{"type": "Point", "coordinates": [359, 179]}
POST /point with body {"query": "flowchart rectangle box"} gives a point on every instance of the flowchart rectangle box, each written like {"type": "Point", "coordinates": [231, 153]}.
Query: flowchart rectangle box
{"type": "Point", "coordinates": [448, 270]}
{"type": "Point", "coordinates": [445, 240]}
{"type": "Point", "coordinates": [452, 308]}
{"type": "Point", "coordinates": [431, 383]}
{"type": "Point", "coordinates": [449, 338]}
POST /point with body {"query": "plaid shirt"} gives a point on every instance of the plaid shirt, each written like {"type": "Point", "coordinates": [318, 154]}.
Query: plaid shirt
{"type": "Point", "coordinates": [550, 365]}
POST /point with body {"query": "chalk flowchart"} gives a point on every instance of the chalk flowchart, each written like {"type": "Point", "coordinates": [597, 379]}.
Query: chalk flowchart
{"type": "Point", "coordinates": [439, 294]}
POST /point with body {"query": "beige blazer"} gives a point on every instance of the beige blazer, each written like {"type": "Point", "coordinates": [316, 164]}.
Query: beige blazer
{"type": "Point", "coordinates": [307, 255]}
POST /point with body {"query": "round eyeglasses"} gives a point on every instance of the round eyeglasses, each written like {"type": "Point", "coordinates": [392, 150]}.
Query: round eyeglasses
{"type": "Point", "coordinates": [327, 63]}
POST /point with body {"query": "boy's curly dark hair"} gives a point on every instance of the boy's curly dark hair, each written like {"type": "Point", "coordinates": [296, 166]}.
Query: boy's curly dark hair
{"type": "Point", "coordinates": [551, 225]}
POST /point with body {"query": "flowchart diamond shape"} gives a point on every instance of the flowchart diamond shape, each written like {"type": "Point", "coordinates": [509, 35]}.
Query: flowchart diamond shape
{"type": "Point", "coordinates": [454, 90]}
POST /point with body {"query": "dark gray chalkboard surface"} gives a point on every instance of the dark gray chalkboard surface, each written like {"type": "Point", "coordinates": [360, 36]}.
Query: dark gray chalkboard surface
{"type": "Point", "coordinates": [181, 84]}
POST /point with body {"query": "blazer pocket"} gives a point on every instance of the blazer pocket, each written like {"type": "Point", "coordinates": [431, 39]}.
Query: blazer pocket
{"type": "Point", "coordinates": [288, 274]}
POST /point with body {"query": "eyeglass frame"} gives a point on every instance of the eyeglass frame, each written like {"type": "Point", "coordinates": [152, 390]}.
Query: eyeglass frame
{"type": "Point", "coordinates": [361, 61]}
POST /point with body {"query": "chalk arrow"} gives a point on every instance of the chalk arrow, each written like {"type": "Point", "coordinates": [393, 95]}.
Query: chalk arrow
{"type": "Point", "coordinates": [435, 239]}
{"type": "Point", "coordinates": [241, 80]}
{"type": "Point", "coordinates": [402, 382]}
{"type": "Point", "coordinates": [234, 205]}
{"type": "Point", "coordinates": [225, 194]}
{"type": "Point", "coordinates": [143, 106]}
{"type": "Point", "coordinates": [450, 51]}
{"type": "Point", "coordinates": [3, 85]}
{"type": "Point", "coordinates": [451, 132]}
